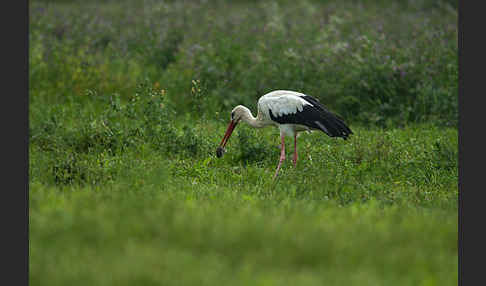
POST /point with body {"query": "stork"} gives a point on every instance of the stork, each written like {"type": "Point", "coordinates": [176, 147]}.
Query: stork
{"type": "Point", "coordinates": [292, 112]}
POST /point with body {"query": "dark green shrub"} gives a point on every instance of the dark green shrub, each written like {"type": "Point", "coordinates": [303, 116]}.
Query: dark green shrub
{"type": "Point", "coordinates": [252, 147]}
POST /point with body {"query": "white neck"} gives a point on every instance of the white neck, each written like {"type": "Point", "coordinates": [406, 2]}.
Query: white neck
{"type": "Point", "coordinates": [252, 121]}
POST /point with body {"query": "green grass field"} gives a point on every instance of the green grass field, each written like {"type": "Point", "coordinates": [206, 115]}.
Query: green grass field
{"type": "Point", "coordinates": [128, 103]}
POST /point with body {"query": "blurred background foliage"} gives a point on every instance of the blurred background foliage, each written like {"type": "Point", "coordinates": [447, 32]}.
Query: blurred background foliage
{"type": "Point", "coordinates": [383, 63]}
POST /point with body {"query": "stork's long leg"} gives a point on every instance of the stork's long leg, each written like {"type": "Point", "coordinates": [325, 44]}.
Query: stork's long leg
{"type": "Point", "coordinates": [295, 150]}
{"type": "Point", "coordinates": [282, 155]}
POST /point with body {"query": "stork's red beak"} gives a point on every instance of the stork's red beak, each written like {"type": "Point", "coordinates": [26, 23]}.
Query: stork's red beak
{"type": "Point", "coordinates": [229, 130]}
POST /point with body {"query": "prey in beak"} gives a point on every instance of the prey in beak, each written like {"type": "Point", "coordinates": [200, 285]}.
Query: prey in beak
{"type": "Point", "coordinates": [220, 151]}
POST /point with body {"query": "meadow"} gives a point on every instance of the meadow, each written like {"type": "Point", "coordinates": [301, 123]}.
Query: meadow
{"type": "Point", "coordinates": [128, 101]}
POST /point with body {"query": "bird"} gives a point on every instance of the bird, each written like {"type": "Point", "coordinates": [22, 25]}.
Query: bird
{"type": "Point", "coordinates": [292, 112]}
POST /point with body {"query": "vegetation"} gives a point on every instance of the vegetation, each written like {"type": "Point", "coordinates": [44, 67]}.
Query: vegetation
{"type": "Point", "coordinates": [129, 100]}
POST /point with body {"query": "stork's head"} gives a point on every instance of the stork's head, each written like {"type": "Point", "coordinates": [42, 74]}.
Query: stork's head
{"type": "Point", "coordinates": [237, 114]}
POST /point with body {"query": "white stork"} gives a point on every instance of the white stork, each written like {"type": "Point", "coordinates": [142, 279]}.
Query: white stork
{"type": "Point", "coordinates": [292, 112]}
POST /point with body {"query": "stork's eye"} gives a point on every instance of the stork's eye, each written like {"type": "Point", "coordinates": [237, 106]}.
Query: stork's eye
{"type": "Point", "coordinates": [232, 115]}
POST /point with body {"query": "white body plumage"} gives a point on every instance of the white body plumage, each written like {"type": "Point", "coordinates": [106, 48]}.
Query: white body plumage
{"type": "Point", "coordinates": [282, 103]}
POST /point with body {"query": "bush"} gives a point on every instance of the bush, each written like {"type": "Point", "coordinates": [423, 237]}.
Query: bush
{"type": "Point", "coordinates": [146, 119]}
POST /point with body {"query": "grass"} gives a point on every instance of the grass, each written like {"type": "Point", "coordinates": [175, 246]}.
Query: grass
{"type": "Point", "coordinates": [128, 104]}
{"type": "Point", "coordinates": [178, 234]}
{"type": "Point", "coordinates": [378, 209]}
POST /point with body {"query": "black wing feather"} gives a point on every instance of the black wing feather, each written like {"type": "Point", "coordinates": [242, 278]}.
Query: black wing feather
{"type": "Point", "coordinates": [316, 117]}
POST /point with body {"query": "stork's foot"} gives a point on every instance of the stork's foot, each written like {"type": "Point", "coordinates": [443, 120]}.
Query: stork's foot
{"type": "Point", "coordinates": [294, 160]}
{"type": "Point", "coordinates": [278, 167]}
{"type": "Point", "coordinates": [282, 156]}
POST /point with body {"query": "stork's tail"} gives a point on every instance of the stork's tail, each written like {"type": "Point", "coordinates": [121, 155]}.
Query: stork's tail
{"type": "Point", "coordinates": [330, 123]}
{"type": "Point", "coordinates": [333, 126]}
